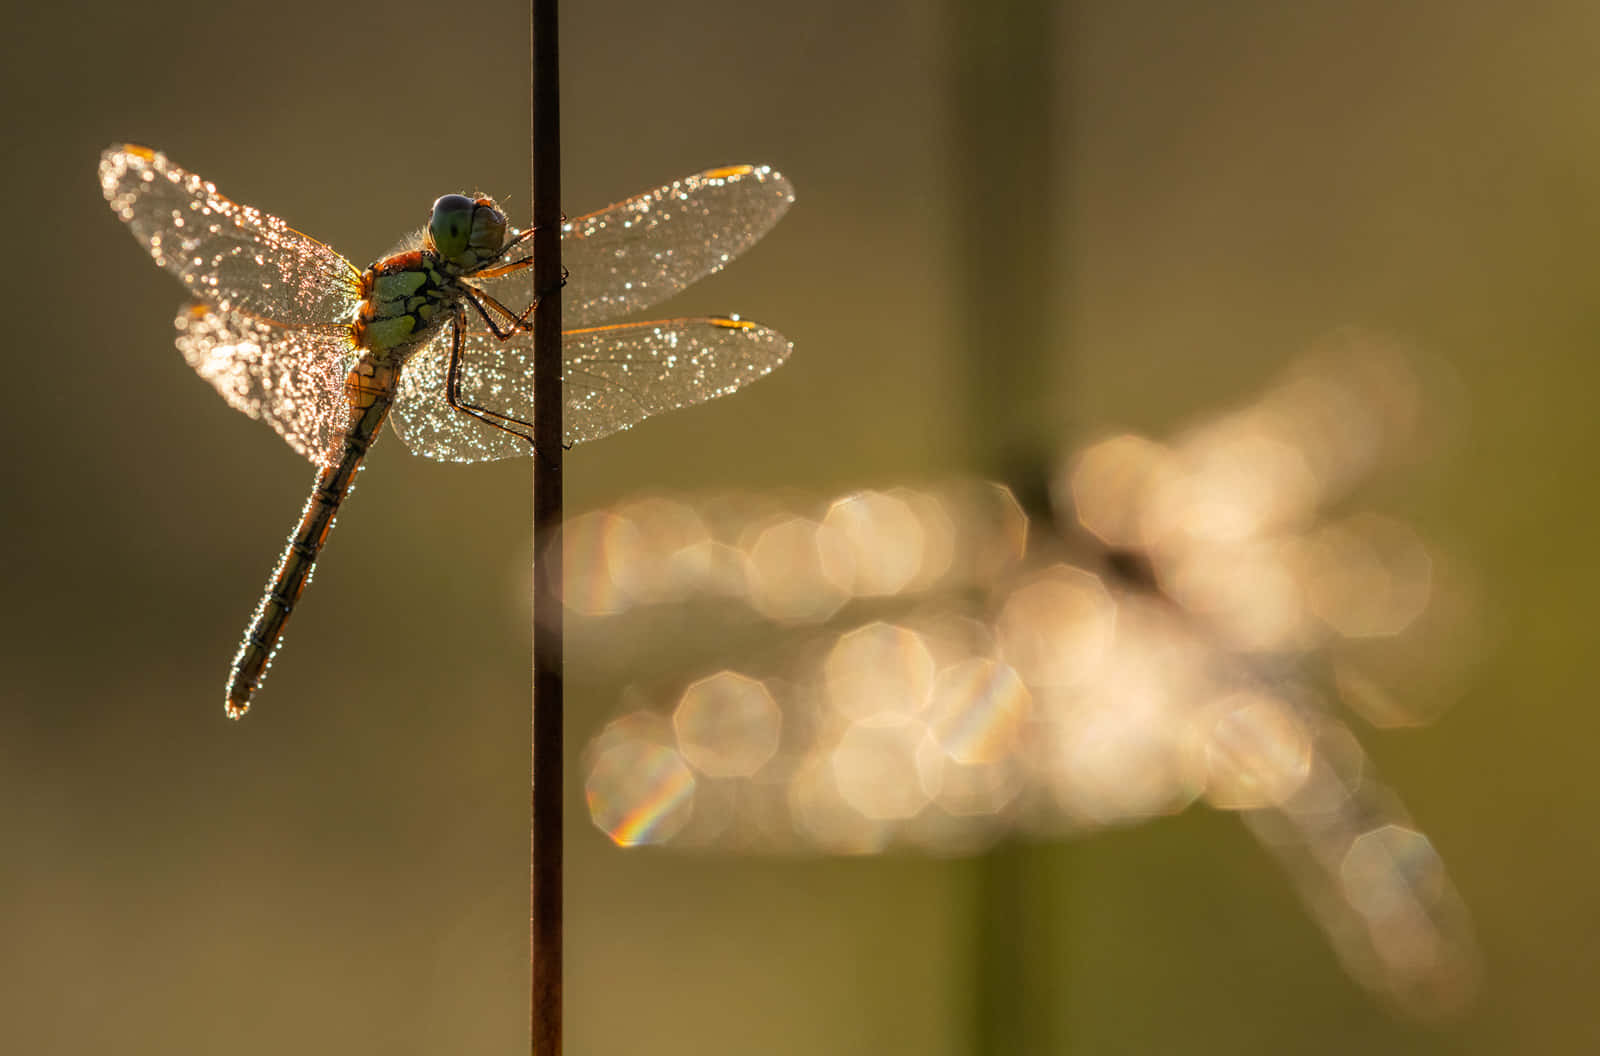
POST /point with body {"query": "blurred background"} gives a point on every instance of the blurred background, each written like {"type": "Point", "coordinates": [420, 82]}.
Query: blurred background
{"type": "Point", "coordinates": [1016, 235]}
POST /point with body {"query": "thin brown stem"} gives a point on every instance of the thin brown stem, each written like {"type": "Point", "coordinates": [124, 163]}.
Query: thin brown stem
{"type": "Point", "coordinates": [547, 776]}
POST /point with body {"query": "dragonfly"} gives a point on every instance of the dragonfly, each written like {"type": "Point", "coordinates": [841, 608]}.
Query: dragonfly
{"type": "Point", "coordinates": [436, 337]}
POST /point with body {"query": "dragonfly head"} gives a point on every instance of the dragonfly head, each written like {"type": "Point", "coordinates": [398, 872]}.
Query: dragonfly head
{"type": "Point", "coordinates": [466, 231]}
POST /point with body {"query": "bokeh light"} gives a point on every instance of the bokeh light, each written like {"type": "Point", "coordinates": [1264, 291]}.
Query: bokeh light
{"type": "Point", "coordinates": [638, 790]}
{"type": "Point", "coordinates": [885, 540]}
{"type": "Point", "coordinates": [1109, 481]}
{"type": "Point", "coordinates": [876, 669]}
{"type": "Point", "coordinates": [595, 550]}
{"type": "Point", "coordinates": [1173, 635]}
{"type": "Point", "coordinates": [1368, 576]}
{"type": "Point", "coordinates": [796, 568]}
{"type": "Point", "coordinates": [978, 709]}
{"type": "Point", "coordinates": [1257, 752]}
{"type": "Point", "coordinates": [671, 555]}
{"type": "Point", "coordinates": [1056, 627]}
{"type": "Point", "coordinates": [1229, 480]}
{"type": "Point", "coordinates": [822, 814]}
{"type": "Point", "coordinates": [727, 725]}
{"type": "Point", "coordinates": [887, 767]}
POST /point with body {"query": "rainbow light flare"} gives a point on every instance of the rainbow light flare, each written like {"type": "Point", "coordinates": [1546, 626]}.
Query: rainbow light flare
{"type": "Point", "coordinates": [640, 793]}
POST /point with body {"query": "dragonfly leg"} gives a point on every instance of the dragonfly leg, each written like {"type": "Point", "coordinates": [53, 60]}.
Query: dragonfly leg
{"type": "Point", "coordinates": [487, 307]}
{"type": "Point", "coordinates": [480, 299]}
{"type": "Point", "coordinates": [497, 270]}
{"type": "Point", "coordinates": [540, 294]}
{"type": "Point", "coordinates": [516, 265]}
{"type": "Point", "coordinates": [504, 422]}
{"type": "Point", "coordinates": [514, 321]}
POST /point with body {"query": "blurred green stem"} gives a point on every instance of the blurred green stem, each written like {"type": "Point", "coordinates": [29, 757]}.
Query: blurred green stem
{"type": "Point", "coordinates": [1019, 953]}
{"type": "Point", "coordinates": [1004, 149]}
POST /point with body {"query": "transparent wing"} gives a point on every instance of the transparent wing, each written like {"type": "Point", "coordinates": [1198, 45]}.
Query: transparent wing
{"type": "Point", "coordinates": [641, 251]}
{"type": "Point", "coordinates": [292, 378]}
{"type": "Point", "coordinates": [230, 256]}
{"type": "Point", "coordinates": [615, 377]}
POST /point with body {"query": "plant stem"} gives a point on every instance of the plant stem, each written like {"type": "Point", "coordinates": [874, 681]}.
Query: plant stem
{"type": "Point", "coordinates": [547, 775]}
{"type": "Point", "coordinates": [1004, 98]}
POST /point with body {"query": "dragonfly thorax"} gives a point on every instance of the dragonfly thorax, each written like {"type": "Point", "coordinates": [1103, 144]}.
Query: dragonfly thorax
{"type": "Point", "coordinates": [404, 300]}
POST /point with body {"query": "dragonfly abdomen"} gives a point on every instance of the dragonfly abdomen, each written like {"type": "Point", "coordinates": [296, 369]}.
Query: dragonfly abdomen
{"type": "Point", "coordinates": [370, 391]}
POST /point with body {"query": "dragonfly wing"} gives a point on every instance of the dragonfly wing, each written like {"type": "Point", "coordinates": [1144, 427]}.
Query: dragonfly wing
{"type": "Point", "coordinates": [614, 377]}
{"type": "Point", "coordinates": [641, 251]}
{"type": "Point", "coordinates": [292, 378]}
{"type": "Point", "coordinates": [497, 375]}
{"type": "Point", "coordinates": [232, 257]}
{"type": "Point", "coordinates": [617, 376]}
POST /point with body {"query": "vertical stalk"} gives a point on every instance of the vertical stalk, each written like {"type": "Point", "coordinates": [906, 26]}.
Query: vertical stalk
{"type": "Point", "coordinates": [547, 774]}
{"type": "Point", "coordinates": [1004, 93]}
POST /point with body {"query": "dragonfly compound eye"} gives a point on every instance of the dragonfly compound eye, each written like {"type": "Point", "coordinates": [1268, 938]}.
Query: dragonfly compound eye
{"type": "Point", "coordinates": [450, 227]}
{"type": "Point", "coordinates": [488, 228]}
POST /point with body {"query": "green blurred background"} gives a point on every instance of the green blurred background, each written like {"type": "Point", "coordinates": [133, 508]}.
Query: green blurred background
{"type": "Point", "coordinates": [1218, 187]}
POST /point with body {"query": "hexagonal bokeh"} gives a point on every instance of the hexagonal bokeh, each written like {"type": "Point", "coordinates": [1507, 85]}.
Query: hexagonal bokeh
{"type": "Point", "coordinates": [876, 669]}
{"type": "Point", "coordinates": [887, 767]}
{"type": "Point", "coordinates": [727, 725]}
{"type": "Point", "coordinates": [593, 548]}
{"type": "Point", "coordinates": [1055, 629]}
{"type": "Point", "coordinates": [978, 708]}
{"type": "Point", "coordinates": [1108, 482]}
{"type": "Point", "coordinates": [885, 539]}
{"type": "Point", "coordinates": [795, 568]}
{"type": "Point", "coordinates": [1368, 576]}
{"type": "Point", "coordinates": [1256, 751]}
{"type": "Point", "coordinates": [639, 792]}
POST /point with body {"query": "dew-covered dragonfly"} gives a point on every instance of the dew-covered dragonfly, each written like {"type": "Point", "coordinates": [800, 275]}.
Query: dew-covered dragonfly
{"type": "Point", "coordinates": [436, 337]}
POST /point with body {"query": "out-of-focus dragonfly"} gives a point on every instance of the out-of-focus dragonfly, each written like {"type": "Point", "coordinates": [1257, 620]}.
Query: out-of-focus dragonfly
{"type": "Point", "coordinates": [292, 333]}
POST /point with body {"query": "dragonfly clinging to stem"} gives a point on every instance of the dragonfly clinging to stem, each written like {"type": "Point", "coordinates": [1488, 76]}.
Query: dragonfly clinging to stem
{"type": "Point", "coordinates": [436, 338]}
